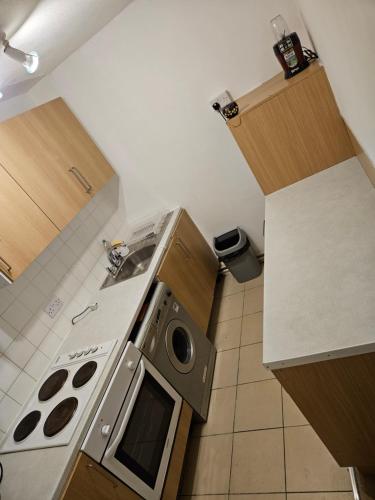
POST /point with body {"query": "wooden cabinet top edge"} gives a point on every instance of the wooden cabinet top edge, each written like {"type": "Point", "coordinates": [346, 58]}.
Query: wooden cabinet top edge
{"type": "Point", "coordinates": [269, 89]}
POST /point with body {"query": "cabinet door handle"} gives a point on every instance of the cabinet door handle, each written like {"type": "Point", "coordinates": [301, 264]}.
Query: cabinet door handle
{"type": "Point", "coordinates": [6, 265]}
{"type": "Point", "coordinates": [81, 179]}
{"type": "Point", "coordinates": [183, 247]}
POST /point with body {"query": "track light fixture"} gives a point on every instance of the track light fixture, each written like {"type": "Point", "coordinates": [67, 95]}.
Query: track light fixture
{"type": "Point", "coordinates": [30, 60]}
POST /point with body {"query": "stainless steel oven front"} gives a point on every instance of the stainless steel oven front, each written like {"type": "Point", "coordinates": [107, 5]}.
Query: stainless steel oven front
{"type": "Point", "coordinates": [133, 430]}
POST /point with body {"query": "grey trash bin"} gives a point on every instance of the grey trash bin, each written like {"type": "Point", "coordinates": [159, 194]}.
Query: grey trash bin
{"type": "Point", "coordinates": [234, 249]}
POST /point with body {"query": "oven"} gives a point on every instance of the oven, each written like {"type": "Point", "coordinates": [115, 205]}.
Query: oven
{"type": "Point", "coordinates": [133, 431]}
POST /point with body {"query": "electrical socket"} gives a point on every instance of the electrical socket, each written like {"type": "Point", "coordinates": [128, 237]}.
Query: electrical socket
{"type": "Point", "coordinates": [223, 99]}
{"type": "Point", "coordinates": [54, 307]}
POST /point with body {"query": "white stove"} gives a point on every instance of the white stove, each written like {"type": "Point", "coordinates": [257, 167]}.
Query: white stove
{"type": "Point", "coordinates": [54, 410]}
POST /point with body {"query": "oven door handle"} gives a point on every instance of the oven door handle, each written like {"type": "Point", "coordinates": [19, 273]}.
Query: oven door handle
{"type": "Point", "coordinates": [112, 449]}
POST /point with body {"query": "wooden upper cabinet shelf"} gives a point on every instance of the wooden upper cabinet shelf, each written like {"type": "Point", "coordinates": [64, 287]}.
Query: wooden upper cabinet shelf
{"type": "Point", "coordinates": [50, 155]}
{"type": "Point", "coordinates": [290, 129]}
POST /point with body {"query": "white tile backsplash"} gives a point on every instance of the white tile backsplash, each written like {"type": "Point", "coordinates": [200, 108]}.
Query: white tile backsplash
{"type": "Point", "coordinates": [20, 351]}
{"type": "Point", "coordinates": [9, 408]}
{"type": "Point", "coordinates": [8, 373]}
{"type": "Point", "coordinates": [68, 269]}
{"type": "Point", "coordinates": [37, 365]}
{"type": "Point", "coordinates": [36, 331]}
{"type": "Point", "coordinates": [17, 315]}
{"type": "Point", "coordinates": [22, 388]}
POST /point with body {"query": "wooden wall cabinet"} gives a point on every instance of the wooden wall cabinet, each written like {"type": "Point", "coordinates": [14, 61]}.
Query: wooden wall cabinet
{"type": "Point", "coordinates": [50, 155]}
{"type": "Point", "coordinates": [89, 480]}
{"type": "Point", "coordinates": [190, 268]}
{"type": "Point", "coordinates": [24, 229]}
{"type": "Point", "coordinates": [49, 170]}
{"type": "Point", "coordinates": [290, 129]}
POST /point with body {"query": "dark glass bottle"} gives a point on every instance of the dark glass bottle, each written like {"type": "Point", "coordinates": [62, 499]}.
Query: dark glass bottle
{"type": "Point", "coordinates": [287, 48]}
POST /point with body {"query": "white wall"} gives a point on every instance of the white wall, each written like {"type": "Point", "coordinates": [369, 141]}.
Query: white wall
{"type": "Point", "coordinates": [343, 32]}
{"type": "Point", "coordinates": [141, 87]}
{"type": "Point", "coordinates": [15, 106]}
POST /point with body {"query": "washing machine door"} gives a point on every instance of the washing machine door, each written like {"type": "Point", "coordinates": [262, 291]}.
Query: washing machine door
{"type": "Point", "coordinates": [180, 346]}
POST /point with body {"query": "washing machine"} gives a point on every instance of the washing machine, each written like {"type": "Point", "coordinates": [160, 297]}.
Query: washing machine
{"type": "Point", "coordinates": [178, 349]}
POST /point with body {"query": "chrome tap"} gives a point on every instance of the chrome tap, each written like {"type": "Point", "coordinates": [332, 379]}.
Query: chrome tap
{"type": "Point", "coordinates": [114, 255]}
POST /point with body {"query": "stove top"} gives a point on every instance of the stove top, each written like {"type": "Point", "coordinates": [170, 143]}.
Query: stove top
{"type": "Point", "coordinates": [53, 411]}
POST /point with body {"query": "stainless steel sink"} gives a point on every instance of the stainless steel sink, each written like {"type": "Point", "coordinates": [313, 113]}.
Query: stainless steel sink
{"type": "Point", "coordinates": [136, 262]}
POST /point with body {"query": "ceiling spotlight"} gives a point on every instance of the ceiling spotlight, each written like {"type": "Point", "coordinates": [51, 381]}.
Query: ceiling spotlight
{"type": "Point", "coordinates": [1, 95]}
{"type": "Point", "coordinates": [30, 60]}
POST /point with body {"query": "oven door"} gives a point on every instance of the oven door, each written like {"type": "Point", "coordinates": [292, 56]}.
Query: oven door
{"type": "Point", "coordinates": [141, 443]}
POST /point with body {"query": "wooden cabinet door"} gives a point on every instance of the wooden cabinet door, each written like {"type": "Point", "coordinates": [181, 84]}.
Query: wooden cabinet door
{"type": "Point", "coordinates": [72, 144]}
{"type": "Point", "coordinates": [189, 268]}
{"type": "Point", "coordinates": [90, 481]}
{"type": "Point", "coordinates": [25, 230]}
{"type": "Point", "coordinates": [270, 145]}
{"type": "Point", "coordinates": [204, 262]}
{"type": "Point", "coordinates": [26, 154]}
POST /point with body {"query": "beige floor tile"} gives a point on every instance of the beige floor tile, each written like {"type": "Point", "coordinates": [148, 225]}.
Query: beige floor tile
{"type": "Point", "coordinates": [270, 496]}
{"type": "Point", "coordinates": [320, 496]}
{"type": "Point", "coordinates": [220, 414]}
{"type": "Point", "coordinates": [258, 462]}
{"type": "Point", "coordinates": [292, 415]}
{"type": "Point", "coordinates": [252, 329]}
{"type": "Point", "coordinates": [230, 307]}
{"type": "Point", "coordinates": [253, 301]}
{"type": "Point", "coordinates": [254, 282]}
{"type": "Point", "coordinates": [226, 368]}
{"type": "Point", "coordinates": [258, 406]}
{"type": "Point", "coordinates": [230, 285]}
{"type": "Point", "coordinates": [250, 365]}
{"type": "Point", "coordinates": [227, 334]}
{"type": "Point", "coordinates": [309, 465]}
{"type": "Point", "coordinates": [207, 467]}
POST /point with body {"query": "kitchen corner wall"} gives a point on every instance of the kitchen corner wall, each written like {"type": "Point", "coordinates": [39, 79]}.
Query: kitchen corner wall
{"type": "Point", "coordinates": [344, 36]}
{"type": "Point", "coordinates": [142, 86]}
{"type": "Point", "coordinates": [72, 268]}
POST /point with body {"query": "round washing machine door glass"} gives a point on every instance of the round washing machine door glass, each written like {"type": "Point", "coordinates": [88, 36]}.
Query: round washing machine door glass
{"type": "Point", "coordinates": [180, 346]}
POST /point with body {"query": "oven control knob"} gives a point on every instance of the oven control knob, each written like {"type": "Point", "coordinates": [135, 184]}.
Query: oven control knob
{"type": "Point", "coordinates": [131, 365]}
{"type": "Point", "coordinates": [72, 355]}
{"type": "Point", "coordinates": [94, 348]}
{"type": "Point", "coordinates": [79, 354]}
{"type": "Point", "coordinates": [105, 430]}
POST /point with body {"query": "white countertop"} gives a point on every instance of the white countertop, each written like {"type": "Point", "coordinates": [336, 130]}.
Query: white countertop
{"type": "Point", "coordinates": [319, 280]}
{"type": "Point", "coordinates": [41, 474]}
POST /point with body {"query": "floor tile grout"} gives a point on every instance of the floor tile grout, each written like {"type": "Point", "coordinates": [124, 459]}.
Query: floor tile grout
{"type": "Point", "coordinates": [283, 422]}
{"type": "Point", "coordinates": [250, 430]}
{"type": "Point", "coordinates": [235, 407]}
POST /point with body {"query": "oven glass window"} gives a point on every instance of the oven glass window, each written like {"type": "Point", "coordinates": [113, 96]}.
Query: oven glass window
{"type": "Point", "coordinates": [142, 445]}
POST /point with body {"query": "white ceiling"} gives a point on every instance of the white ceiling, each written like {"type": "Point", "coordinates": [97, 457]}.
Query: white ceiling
{"type": "Point", "coordinates": [54, 28]}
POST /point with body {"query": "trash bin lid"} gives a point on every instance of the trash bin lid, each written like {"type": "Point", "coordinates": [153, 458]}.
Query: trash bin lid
{"type": "Point", "coordinates": [230, 242]}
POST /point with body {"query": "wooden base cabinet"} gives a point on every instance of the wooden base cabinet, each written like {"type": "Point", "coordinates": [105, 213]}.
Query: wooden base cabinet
{"type": "Point", "coordinates": [338, 399]}
{"type": "Point", "coordinates": [91, 481]}
{"type": "Point", "coordinates": [190, 269]}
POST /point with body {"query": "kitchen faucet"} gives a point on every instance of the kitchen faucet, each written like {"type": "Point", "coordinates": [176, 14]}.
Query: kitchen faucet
{"type": "Point", "coordinates": [115, 256]}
